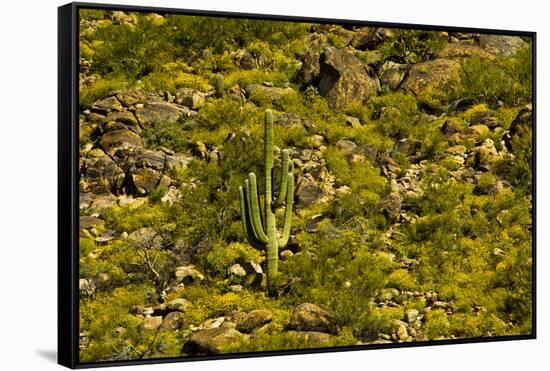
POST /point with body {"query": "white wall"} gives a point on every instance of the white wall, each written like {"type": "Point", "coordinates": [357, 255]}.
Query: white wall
{"type": "Point", "coordinates": [28, 182]}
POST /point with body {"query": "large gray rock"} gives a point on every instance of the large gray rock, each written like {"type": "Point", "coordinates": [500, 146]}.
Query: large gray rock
{"type": "Point", "coordinates": [113, 140]}
{"type": "Point", "coordinates": [437, 74]}
{"type": "Point", "coordinates": [190, 98]}
{"type": "Point", "coordinates": [308, 191]}
{"type": "Point", "coordinates": [172, 321]}
{"type": "Point", "coordinates": [255, 319]}
{"type": "Point", "coordinates": [311, 317]}
{"type": "Point", "coordinates": [212, 341]}
{"type": "Point", "coordinates": [153, 112]}
{"type": "Point", "coordinates": [501, 44]}
{"type": "Point", "coordinates": [345, 79]}
{"type": "Point", "coordinates": [392, 74]}
{"type": "Point", "coordinates": [102, 175]}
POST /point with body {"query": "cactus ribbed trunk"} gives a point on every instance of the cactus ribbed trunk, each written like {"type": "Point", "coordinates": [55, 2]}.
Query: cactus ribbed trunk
{"type": "Point", "coordinates": [260, 233]}
{"type": "Point", "coordinates": [272, 249]}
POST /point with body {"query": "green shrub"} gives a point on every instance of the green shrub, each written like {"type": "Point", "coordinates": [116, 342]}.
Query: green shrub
{"type": "Point", "coordinates": [413, 46]}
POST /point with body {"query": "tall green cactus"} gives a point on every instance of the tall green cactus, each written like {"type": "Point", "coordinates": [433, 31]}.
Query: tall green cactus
{"type": "Point", "coordinates": [260, 231]}
{"type": "Point", "coordinates": [219, 86]}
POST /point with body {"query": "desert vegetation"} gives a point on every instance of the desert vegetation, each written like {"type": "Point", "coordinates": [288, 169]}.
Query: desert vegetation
{"type": "Point", "coordinates": [401, 170]}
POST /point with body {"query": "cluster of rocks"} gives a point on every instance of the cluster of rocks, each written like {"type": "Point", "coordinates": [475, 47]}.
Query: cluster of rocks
{"type": "Point", "coordinates": [343, 77]}
{"type": "Point", "coordinates": [116, 162]}
{"type": "Point", "coordinates": [308, 323]}
{"type": "Point", "coordinates": [410, 326]}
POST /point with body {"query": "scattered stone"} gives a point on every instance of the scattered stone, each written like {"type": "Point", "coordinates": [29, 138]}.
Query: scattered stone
{"type": "Point", "coordinates": [151, 323]}
{"type": "Point", "coordinates": [86, 287]}
{"type": "Point", "coordinates": [286, 254]}
{"type": "Point", "coordinates": [190, 98]}
{"type": "Point", "coordinates": [179, 304]}
{"type": "Point", "coordinates": [345, 79]}
{"type": "Point", "coordinates": [392, 74]}
{"type": "Point", "coordinates": [254, 320]}
{"type": "Point", "coordinates": [311, 317]}
{"type": "Point", "coordinates": [353, 122]}
{"type": "Point", "coordinates": [437, 74]}
{"type": "Point", "coordinates": [153, 112]}
{"type": "Point", "coordinates": [172, 321]}
{"type": "Point", "coordinates": [408, 147]}
{"type": "Point", "coordinates": [501, 44]}
{"type": "Point", "coordinates": [411, 315]}
{"type": "Point", "coordinates": [188, 274]}
{"type": "Point", "coordinates": [391, 206]}
{"type": "Point", "coordinates": [212, 341]}
{"type": "Point", "coordinates": [111, 141]}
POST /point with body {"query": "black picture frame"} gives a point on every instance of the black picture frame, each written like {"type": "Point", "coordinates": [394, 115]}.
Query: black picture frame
{"type": "Point", "coordinates": [68, 190]}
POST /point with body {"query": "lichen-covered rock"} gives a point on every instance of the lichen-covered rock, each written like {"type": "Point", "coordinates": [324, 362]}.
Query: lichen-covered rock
{"type": "Point", "coordinates": [124, 138]}
{"type": "Point", "coordinates": [151, 323]}
{"type": "Point", "coordinates": [254, 320]}
{"type": "Point", "coordinates": [345, 79]}
{"type": "Point", "coordinates": [212, 341]}
{"type": "Point", "coordinates": [188, 274]}
{"type": "Point", "coordinates": [311, 317]}
{"type": "Point", "coordinates": [501, 44]}
{"type": "Point", "coordinates": [101, 175]}
{"type": "Point", "coordinates": [438, 74]}
{"type": "Point", "coordinates": [392, 74]}
{"type": "Point", "coordinates": [153, 112]}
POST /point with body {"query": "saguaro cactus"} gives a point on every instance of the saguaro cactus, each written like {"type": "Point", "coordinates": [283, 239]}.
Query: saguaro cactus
{"type": "Point", "coordinates": [219, 86]}
{"type": "Point", "coordinates": [261, 230]}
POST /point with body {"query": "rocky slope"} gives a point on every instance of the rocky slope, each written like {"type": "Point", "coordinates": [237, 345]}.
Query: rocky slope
{"type": "Point", "coordinates": [371, 196]}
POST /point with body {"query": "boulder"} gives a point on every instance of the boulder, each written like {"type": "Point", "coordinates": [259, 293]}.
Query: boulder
{"type": "Point", "coordinates": [345, 78]}
{"type": "Point", "coordinates": [191, 98]}
{"type": "Point", "coordinates": [308, 191]}
{"type": "Point", "coordinates": [501, 44]}
{"type": "Point", "coordinates": [368, 38]}
{"type": "Point", "coordinates": [391, 207]}
{"type": "Point", "coordinates": [151, 323]}
{"type": "Point", "coordinates": [477, 131]}
{"type": "Point", "coordinates": [113, 140]}
{"type": "Point", "coordinates": [288, 121]}
{"type": "Point", "coordinates": [392, 74]}
{"type": "Point", "coordinates": [212, 341]}
{"type": "Point", "coordinates": [179, 305]}
{"type": "Point", "coordinates": [172, 321]}
{"type": "Point", "coordinates": [91, 222]}
{"type": "Point", "coordinates": [145, 180]}
{"type": "Point", "coordinates": [107, 105]}
{"type": "Point", "coordinates": [311, 317]}
{"type": "Point", "coordinates": [86, 287]}
{"type": "Point", "coordinates": [248, 273]}
{"type": "Point", "coordinates": [309, 73]}
{"type": "Point", "coordinates": [254, 320]}
{"type": "Point", "coordinates": [102, 175]}
{"type": "Point", "coordinates": [408, 147]}
{"type": "Point", "coordinates": [438, 74]}
{"type": "Point", "coordinates": [188, 274]}
{"type": "Point", "coordinates": [153, 112]}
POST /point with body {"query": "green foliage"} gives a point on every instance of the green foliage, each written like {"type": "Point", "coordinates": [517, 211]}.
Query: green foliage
{"type": "Point", "coordinates": [437, 324]}
{"type": "Point", "coordinates": [508, 80]}
{"type": "Point", "coordinates": [221, 257]}
{"type": "Point", "coordinates": [459, 237]}
{"type": "Point", "coordinates": [413, 46]}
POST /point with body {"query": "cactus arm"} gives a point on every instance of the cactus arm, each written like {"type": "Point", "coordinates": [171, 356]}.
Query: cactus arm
{"type": "Point", "coordinates": [284, 176]}
{"type": "Point", "coordinates": [254, 208]}
{"type": "Point", "coordinates": [247, 223]}
{"type": "Point", "coordinates": [288, 211]}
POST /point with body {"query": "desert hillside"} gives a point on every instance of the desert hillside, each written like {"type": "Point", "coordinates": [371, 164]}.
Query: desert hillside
{"type": "Point", "coordinates": [411, 154]}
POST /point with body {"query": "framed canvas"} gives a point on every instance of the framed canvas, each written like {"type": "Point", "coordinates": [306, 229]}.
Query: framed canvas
{"type": "Point", "coordinates": [240, 185]}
